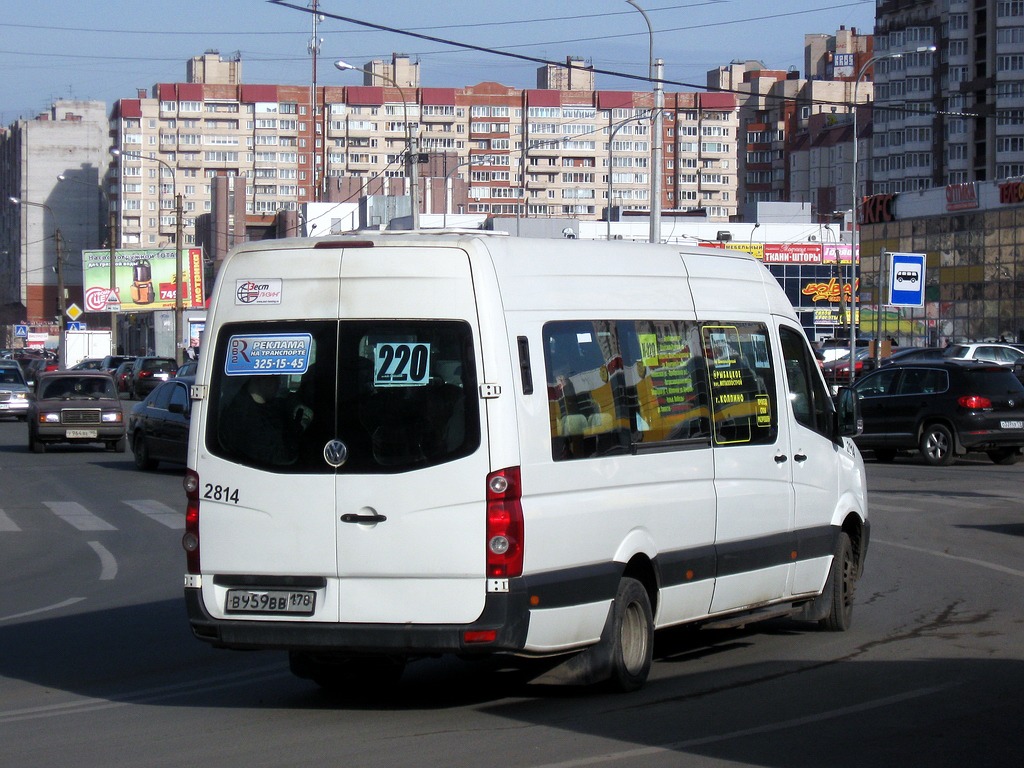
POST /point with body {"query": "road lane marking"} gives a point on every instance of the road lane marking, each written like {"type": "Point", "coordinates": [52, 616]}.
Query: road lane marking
{"type": "Point", "coordinates": [77, 516]}
{"type": "Point", "coordinates": [936, 553]}
{"type": "Point", "coordinates": [54, 607]}
{"type": "Point", "coordinates": [162, 513]}
{"type": "Point", "coordinates": [108, 565]}
{"type": "Point", "coordinates": [6, 524]}
{"type": "Point", "coordinates": [148, 695]}
{"type": "Point", "coordinates": [767, 728]}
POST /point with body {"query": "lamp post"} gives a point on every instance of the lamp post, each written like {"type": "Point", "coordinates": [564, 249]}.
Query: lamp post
{"type": "Point", "coordinates": [444, 215]}
{"type": "Point", "coordinates": [179, 350]}
{"type": "Point", "coordinates": [411, 153]}
{"type": "Point", "coordinates": [654, 73]}
{"type": "Point", "coordinates": [58, 241]}
{"type": "Point", "coordinates": [611, 139]}
{"type": "Point", "coordinates": [855, 230]}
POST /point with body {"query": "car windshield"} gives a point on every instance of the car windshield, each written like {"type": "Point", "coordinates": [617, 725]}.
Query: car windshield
{"type": "Point", "coordinates": [77, 388]}
{"type": "Point", "coordinates": [11, 375]}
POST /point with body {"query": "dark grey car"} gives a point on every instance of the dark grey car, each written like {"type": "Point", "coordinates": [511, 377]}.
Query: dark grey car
{"type": "Point", "coordinates": [942, 409]}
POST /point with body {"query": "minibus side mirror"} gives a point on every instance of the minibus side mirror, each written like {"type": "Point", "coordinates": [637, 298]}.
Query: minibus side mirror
{"type": "Point", "coordinates": [848, 419]}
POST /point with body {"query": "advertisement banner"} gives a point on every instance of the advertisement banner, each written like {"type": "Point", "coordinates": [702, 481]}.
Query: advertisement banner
{"type": "Point", "coordinates": [143, 279]}
{"type": "Point", "coordinates": [792, 253]}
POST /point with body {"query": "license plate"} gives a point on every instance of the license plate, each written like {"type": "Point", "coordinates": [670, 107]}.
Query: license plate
{"type": "Point", "coordinates": [90, 433]}
{"type": "Point", "coordinates": [1012, 424]}
{"type": "Point", "coordinates": [270, 601]}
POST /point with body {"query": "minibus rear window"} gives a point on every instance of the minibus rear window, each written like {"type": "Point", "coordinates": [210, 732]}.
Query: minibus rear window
{"type": "Point", "coordinates": [376, 397]}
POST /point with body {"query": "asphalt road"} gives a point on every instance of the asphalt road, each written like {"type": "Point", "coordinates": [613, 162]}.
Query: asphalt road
{"type": "Point", "coordinates": [98, 667]}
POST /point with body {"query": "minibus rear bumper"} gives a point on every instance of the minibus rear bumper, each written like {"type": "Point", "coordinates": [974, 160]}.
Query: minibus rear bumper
{"type": "Point", "coordinates": [501, 627]}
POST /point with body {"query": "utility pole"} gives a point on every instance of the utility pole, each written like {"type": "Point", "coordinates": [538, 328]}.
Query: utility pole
{"type": "Point", "coordinates": [179, 352]}
{"type": "Point", "coordinates": [62, 300]}
{"type": "Point", "coordinates": [112, 236]}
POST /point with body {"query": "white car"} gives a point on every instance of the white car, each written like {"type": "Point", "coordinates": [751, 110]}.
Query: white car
{"type": "Point", "coordinates": [987, 352]}
{"type": "Point", "coordinates": [13, 390]}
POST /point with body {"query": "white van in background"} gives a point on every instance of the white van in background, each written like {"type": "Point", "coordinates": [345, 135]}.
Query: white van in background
{"type": "Point", "coordinates": [410, 444]}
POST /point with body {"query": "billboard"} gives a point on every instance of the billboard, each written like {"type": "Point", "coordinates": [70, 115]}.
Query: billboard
{"type": "Point", "coordinates": [143, 280]}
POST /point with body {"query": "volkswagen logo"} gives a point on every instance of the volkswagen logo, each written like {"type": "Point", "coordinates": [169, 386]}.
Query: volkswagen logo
{"type": "Point", "coordinates": [335, 453]}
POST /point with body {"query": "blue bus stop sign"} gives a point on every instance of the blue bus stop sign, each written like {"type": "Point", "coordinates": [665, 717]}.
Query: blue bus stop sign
{"type": "Point", "coordinates": [906, 279]}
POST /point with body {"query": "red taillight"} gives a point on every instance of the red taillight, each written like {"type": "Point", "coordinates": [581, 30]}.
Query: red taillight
{"type": "Point", "coordinates": [190, 541]}
{"type": "Point", "coordinates": [504, 524]}
{"type": "Point", "coordinates": [974, 402]}
{"type": "Point", "coordinates": [145, 374]}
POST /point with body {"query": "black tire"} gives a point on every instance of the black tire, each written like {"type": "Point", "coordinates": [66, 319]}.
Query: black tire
{"type": "Point", "coordinates": [632, 637]}
{"type": "Point", "coordinates": [35, 445]}
{"type": "Point", "coordinates": [884, 455]}
{"type": "Point", "coordinates": [937, 446]}
{"type": "Point", "coordinates": [841, 586]}
{"type": "Point", "coordinates": [1004, 456]}
{"type": "Point", "coordinates": [119, 445]}
{"type": "Point", "coordinates": [142, 458]}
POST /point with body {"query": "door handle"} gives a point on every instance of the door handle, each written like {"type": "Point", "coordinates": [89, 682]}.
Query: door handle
{"type": "Point", "coordinates": [368, 519]}
{"type": "Point", "coordinates": [781, 458]}
{"type": "Point", "coordinates": [801, 457]}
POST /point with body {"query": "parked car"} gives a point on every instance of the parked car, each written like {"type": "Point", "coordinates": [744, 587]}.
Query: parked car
{"type": "Point", "coordinates": [88, 364]}
{"type": "Point", "coordinates": [912, 354]}
{"type": "Point", "coordinates": [188, 368]}
{"type": "Point", "coordinates": [837, 371]}
{"type": "Point", "coordinates": [993, 352]}
{"type": "Point", "coordinates": [158, 426]}
{"type": "Point", "coordinates": [147, 373]}
{"type": "Point", "coordinates": [124, 370]}
{"type": "Point", "coordinates": [943, 409]}
{"type": "Point", "coordinates": [75, 407]}
{"type": "Point", "coordinates": [14, 390]}
{"type": "Point", "coordinates": [833, 349]}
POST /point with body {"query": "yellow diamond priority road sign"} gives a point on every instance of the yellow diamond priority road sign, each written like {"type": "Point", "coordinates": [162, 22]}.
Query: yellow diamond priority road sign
{"type": "Point", "coordinates": [74, 312]}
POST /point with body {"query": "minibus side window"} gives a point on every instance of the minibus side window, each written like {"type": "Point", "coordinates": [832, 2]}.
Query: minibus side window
{"type": "Point", "coordinates": [812, 406]}
{"type": "Point", "coordinates": [622, 385]}
{"type": "Point", "coordinates": [739, 367]}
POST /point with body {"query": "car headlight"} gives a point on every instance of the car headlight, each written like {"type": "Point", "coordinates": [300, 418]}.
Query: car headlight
{"type": "Point", "coordinates": [21, 395]}
{"type": "Point", "coordinates": [49, 418]}
{"type": "Point", "coordinates": [111, 417]}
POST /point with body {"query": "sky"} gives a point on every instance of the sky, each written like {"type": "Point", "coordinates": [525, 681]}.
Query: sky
{"type": "Point", "coordinates": [108, 49]}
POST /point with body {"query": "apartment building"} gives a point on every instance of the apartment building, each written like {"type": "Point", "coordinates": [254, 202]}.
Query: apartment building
{"type": "Point", "coordinates": [955, 116]}
{"type": "Point", "coordinates": [52, 165]}
{"type": "Point", "coordinates": [568, 151]}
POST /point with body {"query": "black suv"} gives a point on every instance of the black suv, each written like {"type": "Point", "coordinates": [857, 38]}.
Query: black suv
{"type": "Point", "coordinates": [147, 373]}
{"type": "Point", "coordinates": [942, 409]}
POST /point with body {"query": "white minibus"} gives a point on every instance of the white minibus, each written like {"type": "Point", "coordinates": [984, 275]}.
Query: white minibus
{"type": "Point", "coordinates": [408, 444]}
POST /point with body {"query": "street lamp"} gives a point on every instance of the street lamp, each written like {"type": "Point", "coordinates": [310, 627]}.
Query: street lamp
{"type": "Point", "coordinates": [470, 162]}
{"type": "Point", "coordinates": [855, 230]}
{"type": "Point", "coordinates": [58, 241]}
{"type": "Point", "coordinates": [179, 355]}
{"type": "Point", "coordinates": [611, 140]}
{"type": "Point", "coordinates": [654, 72]}
{"type": "Point", "coordinates": [411, 153]}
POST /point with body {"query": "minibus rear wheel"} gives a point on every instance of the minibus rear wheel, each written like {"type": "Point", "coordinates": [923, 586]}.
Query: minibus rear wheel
{"type": "Point", "coordinates": [632, 637]}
